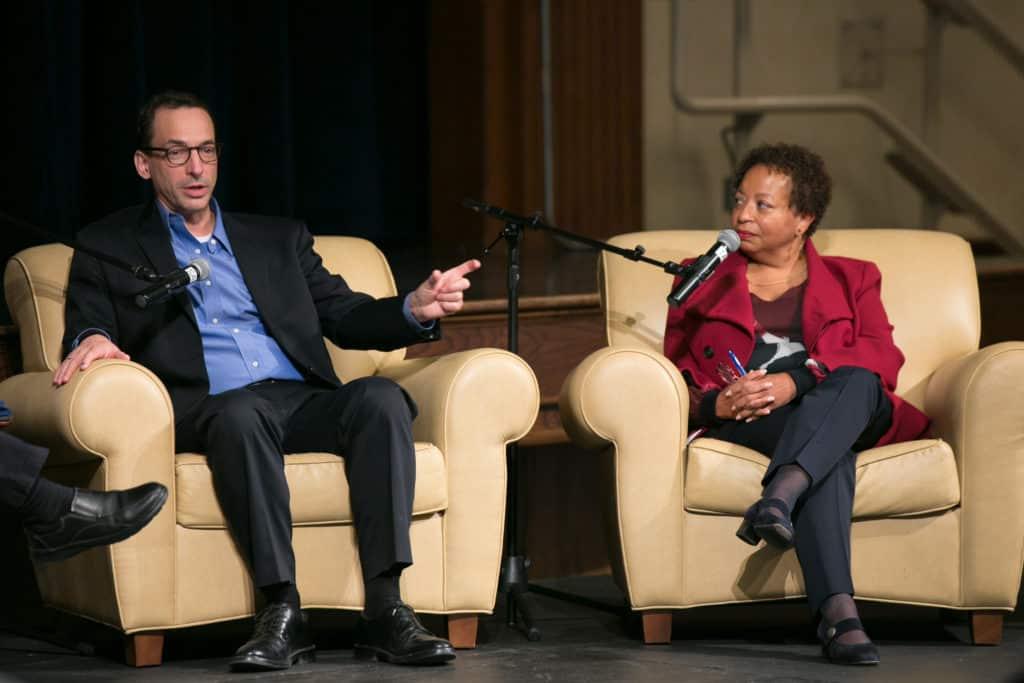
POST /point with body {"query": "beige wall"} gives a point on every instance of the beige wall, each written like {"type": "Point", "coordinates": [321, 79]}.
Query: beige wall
{"type": "Point", "coordinates": [795, 51]}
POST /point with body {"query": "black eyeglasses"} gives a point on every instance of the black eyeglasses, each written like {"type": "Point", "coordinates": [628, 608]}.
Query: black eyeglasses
{"type": "Point", "coordinates": [178, 155]}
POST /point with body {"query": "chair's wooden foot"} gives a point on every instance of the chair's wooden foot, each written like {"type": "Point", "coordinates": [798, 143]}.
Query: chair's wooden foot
{"type": "Point", "coordinates": [144, 649]}
{"type": "Point", "coordinates": [986, 627]}
{"type": "Point", "coordinates": [462, 630]}
{"type": "Point", "coordinates": [657, 627]}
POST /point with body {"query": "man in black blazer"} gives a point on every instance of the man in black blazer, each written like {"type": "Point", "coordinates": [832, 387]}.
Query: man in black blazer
{"type": "Point", "coordinates": [243, 359]}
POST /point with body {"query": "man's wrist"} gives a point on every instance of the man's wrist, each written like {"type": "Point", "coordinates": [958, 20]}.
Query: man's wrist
{"type": "Point", "coordinates": [415, 322]}
{"type": "Point", "coordinates": [86, 333]}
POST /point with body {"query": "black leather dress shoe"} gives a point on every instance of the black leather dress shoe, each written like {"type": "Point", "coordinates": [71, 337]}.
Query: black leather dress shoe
{"type": "Point", "coordinates": [95, 518]}
{"type": "Point", "coordinates": [399, 637]}
{"type": "Point", "coordinates": [846, 653]}
{"type": "Point", "coordinates": [279, 640]}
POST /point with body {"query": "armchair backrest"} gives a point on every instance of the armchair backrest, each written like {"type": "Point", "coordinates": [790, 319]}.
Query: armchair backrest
{"type": "Point", "coordinates": [365, 269]}
{"type": "Point", "coordinates": [929, 288]}
{"type": "Point", "coordinates": [35, 286]}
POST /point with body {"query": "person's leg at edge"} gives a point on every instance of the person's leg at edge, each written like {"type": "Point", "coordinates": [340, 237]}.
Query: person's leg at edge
{"type": "Point", "coordinates": [33, 497]}
{"type": "Point", "coordinates": [61, 521]}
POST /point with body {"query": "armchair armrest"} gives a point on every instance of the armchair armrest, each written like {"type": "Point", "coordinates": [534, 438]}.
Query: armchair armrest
{"type": "Point", "coordinates": [636, 401]}
{"type": "Point", "coordinates": [975, 404]}
{"type": "Point", "coordinates": [119, 412]}
{"type": "Point", "coordinates": [471, 404]}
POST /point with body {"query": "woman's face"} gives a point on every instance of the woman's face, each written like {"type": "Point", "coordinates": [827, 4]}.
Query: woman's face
{"type": "Point", "coordinates": [762, 215]}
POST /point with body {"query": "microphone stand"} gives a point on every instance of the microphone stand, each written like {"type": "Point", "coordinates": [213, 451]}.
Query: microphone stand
{"type": "Point", "coordinates": [514, 582]}
{"type": "Point", "coordinates": [144, 273]}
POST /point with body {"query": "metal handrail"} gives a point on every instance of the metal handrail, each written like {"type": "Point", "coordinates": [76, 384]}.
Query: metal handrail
{"type": "Point", "coordinates": [968, 13]}
{"type": "Point", "coordinates": [929, 164]}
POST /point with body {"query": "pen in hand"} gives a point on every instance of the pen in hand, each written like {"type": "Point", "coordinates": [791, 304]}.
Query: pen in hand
{"type": "Point", "coordinates": [736, 363]}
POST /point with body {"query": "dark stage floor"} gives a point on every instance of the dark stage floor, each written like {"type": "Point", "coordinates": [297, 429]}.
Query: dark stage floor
{"type": "Point", "coordinates": [741, 643]}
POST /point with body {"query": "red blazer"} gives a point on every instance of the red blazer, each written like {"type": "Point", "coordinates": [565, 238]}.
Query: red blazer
{"type": "Point", "coordinates": [844, 323]}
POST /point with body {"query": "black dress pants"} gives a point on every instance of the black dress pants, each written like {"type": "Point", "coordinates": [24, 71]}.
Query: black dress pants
{"type": "Point", "coordinates": [822, 432]}
{"type": "Point", "coordinates": [245, 432]}
{"type": "Point", "coordinates": [20, 465]}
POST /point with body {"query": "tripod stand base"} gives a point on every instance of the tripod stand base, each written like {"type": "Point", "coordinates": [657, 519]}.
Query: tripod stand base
{"type": "Point", "coordinates": [520, 605]}
{"type": "Point", "coordinates": [519, 608]}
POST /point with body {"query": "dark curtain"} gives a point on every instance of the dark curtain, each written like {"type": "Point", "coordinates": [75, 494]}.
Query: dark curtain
{"type": "Point", "coordinates": [321, 106]}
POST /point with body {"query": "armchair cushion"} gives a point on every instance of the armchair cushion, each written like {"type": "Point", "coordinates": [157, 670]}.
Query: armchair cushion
{"type": "Point", "coordinates": [319, 488]}
{"type": "Point", "coordinates": [898, 480]}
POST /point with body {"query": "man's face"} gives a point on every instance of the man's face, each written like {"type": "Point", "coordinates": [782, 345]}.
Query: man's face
{"type": "Point", "coordinates": [185, 189]}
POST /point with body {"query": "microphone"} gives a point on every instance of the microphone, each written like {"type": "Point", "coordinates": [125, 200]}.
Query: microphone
{"type": "Point", "coordinates": [173, 283]}
{"type": "Point", "coordinates": [496, 211]}
{"type": "Point", "coordinates": [701, 269]}
{"type": "Point", "coordinates": [474, 205]}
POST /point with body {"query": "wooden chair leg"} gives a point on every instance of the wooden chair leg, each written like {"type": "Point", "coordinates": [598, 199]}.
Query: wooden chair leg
{"type": "Point", "coordinates": [657, 628]}
{"type": "Point", "coordinates": [462, 630]}
{"type": "Point", "coordinates": [986, 627]}
{"type": "Point", "coordinates": [144, 649]}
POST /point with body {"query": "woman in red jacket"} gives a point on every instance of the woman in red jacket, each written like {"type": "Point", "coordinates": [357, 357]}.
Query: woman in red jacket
{"type": "Point", "coordinates": [812, 380]}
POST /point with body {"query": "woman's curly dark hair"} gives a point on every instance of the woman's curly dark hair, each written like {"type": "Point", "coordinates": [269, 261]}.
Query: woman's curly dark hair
{"type": "Point", "coordinates": [811, 185]}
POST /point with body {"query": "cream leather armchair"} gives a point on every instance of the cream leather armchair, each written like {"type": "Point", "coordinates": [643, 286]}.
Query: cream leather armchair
{"type": "Point", "coordinates": [111, 427]}
{"type": "Point", "coordinates": [937, 522]}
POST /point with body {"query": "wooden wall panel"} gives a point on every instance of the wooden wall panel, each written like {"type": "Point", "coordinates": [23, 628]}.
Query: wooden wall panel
{"type": "Point", "coordinates": [487, 138]}
{"type": "Point", "coordinates": [598, 110]}
{"type": "Point", "coordinates": [457, 116]}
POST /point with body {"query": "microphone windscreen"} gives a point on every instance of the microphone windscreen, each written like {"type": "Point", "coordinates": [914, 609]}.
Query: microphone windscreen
{"type": "Point", "coordinates": [730, 238]}
{"type": "Point", "coordinates": [202, 267]}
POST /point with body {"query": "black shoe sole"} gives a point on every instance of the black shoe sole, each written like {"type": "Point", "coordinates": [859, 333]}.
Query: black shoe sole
{"type": "Point", "coordinates": [247, 663]}
{"type": "Point", "coordinates": [438, 655]}
{"type": "Point", "coordinates": [124, 533]}
{"type": "Point", "coordinates": [874, 660]}
{"type": "Point", "coordinates": [777, 535]}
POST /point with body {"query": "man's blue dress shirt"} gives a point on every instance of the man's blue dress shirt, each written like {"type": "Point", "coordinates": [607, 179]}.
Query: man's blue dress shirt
{"type": "Point", "coordinates": [236, 346]}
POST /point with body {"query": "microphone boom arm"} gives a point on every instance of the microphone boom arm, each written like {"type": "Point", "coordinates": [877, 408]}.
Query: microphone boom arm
{"type": "Point", "coordinates": [634, 254]}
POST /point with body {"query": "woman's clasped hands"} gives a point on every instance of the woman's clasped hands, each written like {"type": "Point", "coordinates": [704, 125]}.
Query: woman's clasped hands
{"type": "Point", "coordinates": [754, 395]}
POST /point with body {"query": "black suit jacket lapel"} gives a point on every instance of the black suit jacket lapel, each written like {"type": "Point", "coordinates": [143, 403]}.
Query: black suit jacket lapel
{"type": "Point", "coordinates": [155, 242]}
{"type": "Point", "coordinates": [254, 263]}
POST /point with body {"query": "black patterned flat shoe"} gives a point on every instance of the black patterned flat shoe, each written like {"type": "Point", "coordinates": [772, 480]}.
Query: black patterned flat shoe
{"type": "Point", "coordinates": [857, 654]}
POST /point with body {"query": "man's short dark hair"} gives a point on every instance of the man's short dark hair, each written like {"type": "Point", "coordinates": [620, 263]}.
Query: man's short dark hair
{"type": "Point", "coordinates": [168, 99]}
{"type": "Point", "coordinates": [811, 186]}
